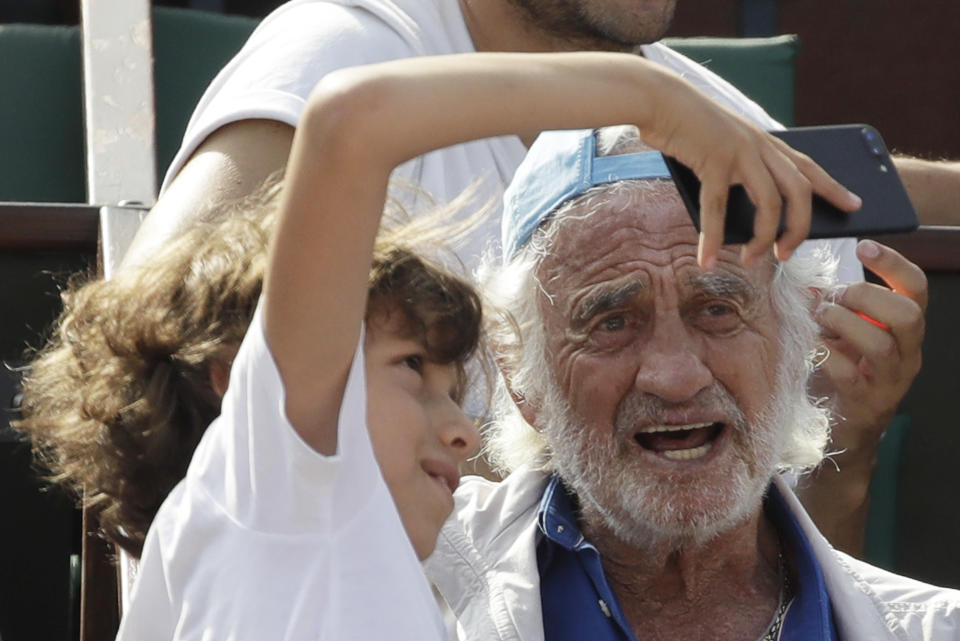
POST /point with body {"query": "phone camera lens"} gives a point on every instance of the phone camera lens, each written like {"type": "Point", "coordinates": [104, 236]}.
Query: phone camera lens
{"type": "Point", "coordinates": [873, 141]}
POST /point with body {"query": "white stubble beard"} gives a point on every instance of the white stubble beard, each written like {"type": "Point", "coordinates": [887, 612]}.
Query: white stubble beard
{"type": "Point", "coordinates": [613, 486]}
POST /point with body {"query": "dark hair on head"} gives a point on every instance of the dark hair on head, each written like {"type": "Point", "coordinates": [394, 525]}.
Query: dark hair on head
{"type": "Point", "coordinates": [435, 307]}
{"type": "Point", "coordinates": [117, 400]}
{"type": "Point", "coordinates": [410, 282]}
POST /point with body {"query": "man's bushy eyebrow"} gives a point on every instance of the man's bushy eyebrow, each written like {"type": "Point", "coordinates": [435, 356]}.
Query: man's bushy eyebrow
{"type": "Point", "coordinates": [713, 283]}
{"type": "Point", "coordinates": [601, 301]}
{"type": "Point", "coordinates": [722, 284]}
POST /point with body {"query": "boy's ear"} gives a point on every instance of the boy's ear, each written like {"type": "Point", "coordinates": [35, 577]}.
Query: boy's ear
{"type": "Point", "coordinates": [219, 369]}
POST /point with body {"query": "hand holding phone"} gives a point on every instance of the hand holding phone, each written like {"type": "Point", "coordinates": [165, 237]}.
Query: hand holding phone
{"type": "Point", "coordinates": [854, 155]}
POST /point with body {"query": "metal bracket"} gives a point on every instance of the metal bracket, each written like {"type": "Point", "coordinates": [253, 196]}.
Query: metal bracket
{"type": "Point", "coordinates": [118, 226]}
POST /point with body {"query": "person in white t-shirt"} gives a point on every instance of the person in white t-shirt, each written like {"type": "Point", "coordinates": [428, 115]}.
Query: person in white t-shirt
{"type": "Point", "coordinates": [284, 526]}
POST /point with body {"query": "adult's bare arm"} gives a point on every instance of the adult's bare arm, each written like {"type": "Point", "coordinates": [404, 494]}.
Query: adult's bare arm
{"type": "Point", "coordinates": [868, 371]}
{"type": "Point", "coordinates": [230, 164]}
{"type": "Point", "coordinates": [866, 389]}
{"type": "Point", "coordinates": [934, 189]}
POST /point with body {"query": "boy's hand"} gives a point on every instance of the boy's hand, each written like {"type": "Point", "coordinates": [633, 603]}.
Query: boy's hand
{"type": "Point", "coordinates": [723, 149]}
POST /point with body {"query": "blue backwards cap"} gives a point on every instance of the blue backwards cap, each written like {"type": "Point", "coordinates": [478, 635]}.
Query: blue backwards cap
{"type": "Point", "coordinates": [561, 165]}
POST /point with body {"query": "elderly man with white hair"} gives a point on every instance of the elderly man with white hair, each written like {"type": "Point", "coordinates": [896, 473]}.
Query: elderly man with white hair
{"type": "Point", "coordinates": [647, 411]}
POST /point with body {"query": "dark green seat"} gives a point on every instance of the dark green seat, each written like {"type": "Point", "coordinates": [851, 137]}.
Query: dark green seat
{"type": "Point", "coordinates": [762, 68]}
{"type": "Point", "coordinates": [880, 546]}
{"type": "Point", "coordinates": [41, 113]}
{"type": "Point", "coordinates": [189, 47]}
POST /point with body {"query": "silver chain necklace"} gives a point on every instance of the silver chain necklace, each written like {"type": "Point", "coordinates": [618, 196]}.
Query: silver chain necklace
{"type": "Point", "coordinates": [773, 632]}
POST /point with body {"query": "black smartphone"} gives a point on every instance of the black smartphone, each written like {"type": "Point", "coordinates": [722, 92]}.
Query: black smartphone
{"type": "Point", "coordinates": [855, 155]}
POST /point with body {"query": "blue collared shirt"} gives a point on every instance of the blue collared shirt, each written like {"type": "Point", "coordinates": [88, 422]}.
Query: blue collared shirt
{"type": "Point", "coordinates": [579, 604]}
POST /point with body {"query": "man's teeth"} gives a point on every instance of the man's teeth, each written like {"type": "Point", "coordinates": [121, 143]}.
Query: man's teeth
{"type": "Point", "coordinates": [676, 433]}
{"type": "Point", "coordinates": [673, 428]}
{"type": "Point", "coordinates": [687, 455]}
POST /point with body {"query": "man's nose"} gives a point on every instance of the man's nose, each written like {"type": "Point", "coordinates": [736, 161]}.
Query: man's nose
{"type": "Point", "coordinates": [671, 362]}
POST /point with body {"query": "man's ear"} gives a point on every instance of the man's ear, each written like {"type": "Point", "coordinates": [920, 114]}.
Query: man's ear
{"type": "Point", "coordinates": [219, 370]}
{"type": "Point", "coordinates": [528, 409]}
{"type": "Point", "coordinates": [818, 296]}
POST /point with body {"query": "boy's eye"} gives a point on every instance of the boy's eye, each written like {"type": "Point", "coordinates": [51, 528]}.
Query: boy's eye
{"type": "Point", "coordinates": [414, 362]}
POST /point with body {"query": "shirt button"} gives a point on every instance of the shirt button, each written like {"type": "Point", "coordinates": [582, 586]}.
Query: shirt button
{"type": "Point", "coordinates": [605, 608]}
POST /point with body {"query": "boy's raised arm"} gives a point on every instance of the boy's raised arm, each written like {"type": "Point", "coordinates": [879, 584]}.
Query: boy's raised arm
{"type": "Point", "coordinates": [360, 123]}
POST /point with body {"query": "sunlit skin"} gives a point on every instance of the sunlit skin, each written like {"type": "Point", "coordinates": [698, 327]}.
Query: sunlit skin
{"type": "Point", "coordinates": [419, 433]}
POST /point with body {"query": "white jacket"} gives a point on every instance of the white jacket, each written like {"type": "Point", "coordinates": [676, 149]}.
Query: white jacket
{"type": "Point", "coordinates": [485, 566]}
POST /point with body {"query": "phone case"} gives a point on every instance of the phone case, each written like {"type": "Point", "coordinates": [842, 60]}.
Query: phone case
{"type": "Point", "coordinates": [855, 155]}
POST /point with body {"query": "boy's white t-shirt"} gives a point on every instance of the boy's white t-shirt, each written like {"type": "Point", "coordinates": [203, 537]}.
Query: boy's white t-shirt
{"type": "Point", "coordinates": [267, 539]}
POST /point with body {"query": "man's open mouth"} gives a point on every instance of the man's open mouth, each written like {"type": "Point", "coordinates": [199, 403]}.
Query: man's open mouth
{"type": "Point", "coordinates": [679, 442]}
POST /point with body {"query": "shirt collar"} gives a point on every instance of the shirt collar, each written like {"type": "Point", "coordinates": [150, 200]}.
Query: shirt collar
{"type": "Point", "coordinates": [557, 515]}
{"type": "Point", "coordinates": [809, 617]}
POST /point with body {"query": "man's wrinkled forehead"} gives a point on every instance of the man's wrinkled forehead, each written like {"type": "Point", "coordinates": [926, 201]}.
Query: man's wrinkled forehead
{"type": "Point", "coordinates": [649, 217]}
{"type": "Point", "coordinates": [624, 247]}
{"type": "Point", "coordinates": [608, 296]}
